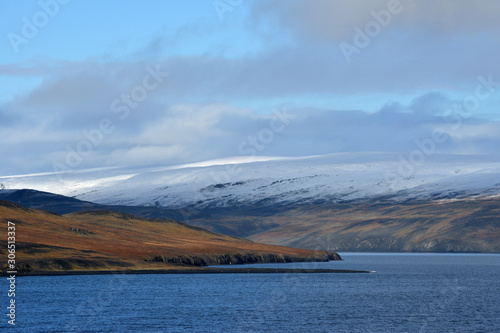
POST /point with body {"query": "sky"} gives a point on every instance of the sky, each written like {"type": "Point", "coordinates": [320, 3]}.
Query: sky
{"type": "Point", "coordinates": [91, 84]}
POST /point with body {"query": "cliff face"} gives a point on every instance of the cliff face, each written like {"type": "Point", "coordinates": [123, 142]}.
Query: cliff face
{"type": "Point", "coordinates": [111, 240]}
{"type": "Point", "coordinates": [246, 258]}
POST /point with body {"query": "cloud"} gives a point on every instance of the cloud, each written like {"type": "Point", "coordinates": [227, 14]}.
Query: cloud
{"type": "Point", "coordinates": [164, 131]}
{"type": "Point", "coordinates": [335, 19]}
{"type": "Point", "coordinates": [211, 104]}
{"type": "Point", "coordinates": [427, 45]}
{"type": "Point", "coordinates": [286, 73]}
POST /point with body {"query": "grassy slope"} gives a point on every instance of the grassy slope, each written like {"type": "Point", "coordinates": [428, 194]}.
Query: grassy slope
{"type": "Point", "coordinates": [456, 226]}
{"type": "Point", "coordinates": [110, 240]}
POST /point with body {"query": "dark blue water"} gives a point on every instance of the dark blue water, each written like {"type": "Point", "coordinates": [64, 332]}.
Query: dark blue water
{"type": "Point", "coordinates": [409, 293]}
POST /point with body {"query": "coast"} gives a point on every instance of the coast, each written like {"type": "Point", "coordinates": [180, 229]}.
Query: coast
{"type": "Point", "coordinates": [204, 270]}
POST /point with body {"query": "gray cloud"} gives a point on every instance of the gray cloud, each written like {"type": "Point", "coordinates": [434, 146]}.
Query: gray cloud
{"type": "Point", "coordinates": [335, 19]}
{"type": "Point", "coordinates": [428, 45]}
{"type": "Point", "coordinates": [166, 128]}
{"type": "Point", "coordinates": [321, 69]}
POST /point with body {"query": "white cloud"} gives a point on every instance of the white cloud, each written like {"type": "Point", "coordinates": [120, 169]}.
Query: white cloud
{"type": "Point", "coordinates": [187, 132]}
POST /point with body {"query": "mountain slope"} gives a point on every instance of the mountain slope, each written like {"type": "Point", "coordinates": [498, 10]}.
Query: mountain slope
{"type": "Point", "coordinates": [426, 226]}
{"type": "Point", "coordinates": [317, 179]}
{"type": "Point", "coordinates": [348, 202]}
{"type": "Point", "coordinates": [111, 240]}
{"type": "Point", "coordinates": [458, 225]}
{"type": "Point", "coordinates": [61, 204]}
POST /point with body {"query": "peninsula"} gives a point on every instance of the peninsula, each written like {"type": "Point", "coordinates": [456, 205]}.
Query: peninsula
{"type": "Point", "coordinates": [106, 241]}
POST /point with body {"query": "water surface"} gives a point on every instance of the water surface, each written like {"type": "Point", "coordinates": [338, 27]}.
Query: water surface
{"type": "Point", "coordinates": [409, 293]}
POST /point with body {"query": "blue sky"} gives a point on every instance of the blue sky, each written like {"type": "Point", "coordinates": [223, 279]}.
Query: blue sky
{"type": "Point", "coordinates": [355, 76]}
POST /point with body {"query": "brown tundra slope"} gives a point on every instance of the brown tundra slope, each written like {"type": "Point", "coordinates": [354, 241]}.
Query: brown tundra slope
{"type": "Point", "coordinates": [466, 225]}
{"type": "Point", "coordinates": [106, 240]}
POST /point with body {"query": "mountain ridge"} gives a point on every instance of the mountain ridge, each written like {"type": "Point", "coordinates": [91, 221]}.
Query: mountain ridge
{"type": "Point", "coordinates": [292, 201]}
{"type": "Point", "coordinates": [459, 225]}
{"type": "Point", "coordinates": [329, 178]}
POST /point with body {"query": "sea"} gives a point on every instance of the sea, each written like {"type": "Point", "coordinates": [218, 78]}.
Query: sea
{"type": "Point", "coordinates": [406, 293]}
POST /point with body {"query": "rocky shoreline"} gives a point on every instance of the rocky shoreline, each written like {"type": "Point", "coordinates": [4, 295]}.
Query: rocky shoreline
{"type": "Point", "coordinates": [186, 263]}
{"type": "Point", "coordinates": [240, 259]}
{"type": "Point", "coordinates": [204, 270]}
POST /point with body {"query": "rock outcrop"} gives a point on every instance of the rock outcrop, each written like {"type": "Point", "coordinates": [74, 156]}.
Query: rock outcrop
{"type": "Point", "coordinates": [242, 258]}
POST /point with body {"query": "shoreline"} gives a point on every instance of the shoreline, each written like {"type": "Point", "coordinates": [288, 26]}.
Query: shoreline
{"type": "Point", "coordinates": [194, 271]}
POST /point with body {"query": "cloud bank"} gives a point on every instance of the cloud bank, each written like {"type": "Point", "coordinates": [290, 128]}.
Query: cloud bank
{"type": "Point", "coordinates": [432, 68]}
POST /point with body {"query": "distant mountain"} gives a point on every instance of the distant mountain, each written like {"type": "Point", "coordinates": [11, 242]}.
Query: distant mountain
{"type": "Point", "coordinates": [418, 226]}
{"type": "Point", "coordinates": [48, 201]}
{"type": "Point", "coordinates": [345, 202]}
{"type": "Point", "coordinates": [333, 178]}
{"type": "Point", "coordinates": [110, 240]}
{"type": "Point", "coordinates": [61, 204]}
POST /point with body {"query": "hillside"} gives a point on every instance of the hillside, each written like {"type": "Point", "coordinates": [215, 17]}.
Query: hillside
{"type": "Point", "coordinates": [343, 202]}
{"type": "Point", "coordinates": [425, 226]}
{"type": "Point", "coordinates": [105, 240]}
{"type": "Point", "coordinates": [458, 225]}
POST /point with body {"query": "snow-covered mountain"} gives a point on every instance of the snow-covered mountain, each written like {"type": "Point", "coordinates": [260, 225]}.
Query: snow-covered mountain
{"type": "Point", "coordinates": [278, 180]}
